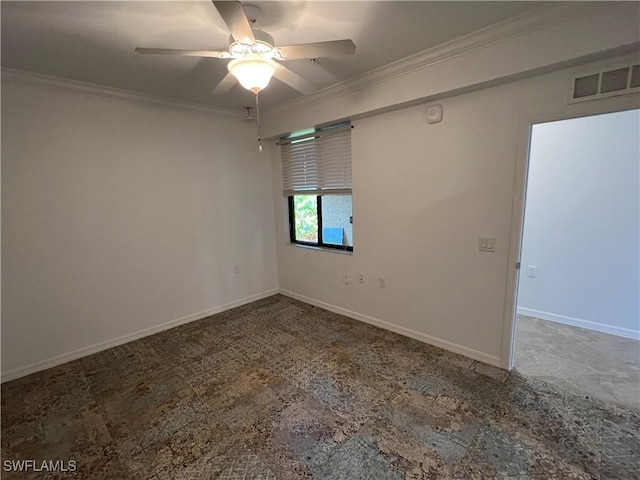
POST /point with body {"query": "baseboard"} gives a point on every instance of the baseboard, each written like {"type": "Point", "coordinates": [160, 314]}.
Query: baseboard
{"type": "Point", "coordinates": [407, 332]}
{"type": "Point", "coordinates": [98, 347]}
{"type": "Point", "coordinates": [578, 322]}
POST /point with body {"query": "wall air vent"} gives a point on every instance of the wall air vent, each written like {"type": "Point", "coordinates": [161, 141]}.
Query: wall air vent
{"type": "Point", "coordinates": [619, 80]}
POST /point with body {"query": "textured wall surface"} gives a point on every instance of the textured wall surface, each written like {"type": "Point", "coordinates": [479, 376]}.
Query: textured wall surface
{"type": "Point", "coordinates": [119, 216]}
{"type": "Point", "coordinates": [422, 195]}
{"type": "Point", "coordinates": [582, 221]}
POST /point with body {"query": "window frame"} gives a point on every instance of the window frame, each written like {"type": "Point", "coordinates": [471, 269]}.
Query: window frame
{"type": "Point", "coordinates": [319, 243]}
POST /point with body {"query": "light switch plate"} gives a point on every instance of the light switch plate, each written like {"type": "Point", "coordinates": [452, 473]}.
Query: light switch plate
{"type": "Point", "coordinates": [487, 244]}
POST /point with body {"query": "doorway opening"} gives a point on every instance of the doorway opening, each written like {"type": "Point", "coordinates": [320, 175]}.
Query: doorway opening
{"type": "Point", "coordinates": [578, 294]}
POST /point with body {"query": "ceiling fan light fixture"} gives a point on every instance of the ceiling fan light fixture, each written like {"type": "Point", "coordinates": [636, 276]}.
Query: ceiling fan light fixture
{"type": "Point", "coordinates": [252, 71]}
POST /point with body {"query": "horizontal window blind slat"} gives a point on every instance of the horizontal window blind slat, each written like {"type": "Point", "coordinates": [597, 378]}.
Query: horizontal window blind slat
{"type": "Point", "coordinates": [315, 192]}
{"type": "Point", "coordinates": [318, 164]}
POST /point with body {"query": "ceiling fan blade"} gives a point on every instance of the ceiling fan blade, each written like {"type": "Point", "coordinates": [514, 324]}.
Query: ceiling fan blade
{"type": "Point", "coordinates": [294, 80]}
{"type": "Point", "coordinates": [225, 84]}
{"type": "Point", "coordinates": [334, 48]}
{"type": "Point", "coordinates": [183, 53]}
{"type": "Point", "coordinates": [237, 23]}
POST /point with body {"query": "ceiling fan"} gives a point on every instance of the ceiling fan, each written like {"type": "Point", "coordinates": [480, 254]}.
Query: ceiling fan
{"type": "Point", "coordinates": [254, 56]}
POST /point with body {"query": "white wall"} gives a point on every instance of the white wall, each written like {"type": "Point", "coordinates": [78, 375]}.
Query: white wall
{"type": "Point", "coordinates": [422, 195]}
{"type": "Point", "coordinates": [119, 216]}
{"type": "Point", "coordinates": [582, 223]}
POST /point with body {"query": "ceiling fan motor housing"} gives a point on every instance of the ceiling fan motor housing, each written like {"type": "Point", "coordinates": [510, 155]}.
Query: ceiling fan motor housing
{"type": "Point", "coordinates": [262, 46]}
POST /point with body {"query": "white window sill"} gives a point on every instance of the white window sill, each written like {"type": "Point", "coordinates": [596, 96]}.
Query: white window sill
{"type": "Point", "coordinates": [321, 249]}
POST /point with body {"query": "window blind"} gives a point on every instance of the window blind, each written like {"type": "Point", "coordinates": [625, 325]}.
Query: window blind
{"type": "Point", "coordinates": [317, 163]}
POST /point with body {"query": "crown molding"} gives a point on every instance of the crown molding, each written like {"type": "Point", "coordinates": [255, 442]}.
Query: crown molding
{"type": "Point", "coordinates": [12, 76]}
{"type": "Point", "coordinates": [510, 29]}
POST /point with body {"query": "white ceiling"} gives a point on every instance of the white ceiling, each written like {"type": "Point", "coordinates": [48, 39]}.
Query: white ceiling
{"type": "Point", "coordinates": [94, 41]}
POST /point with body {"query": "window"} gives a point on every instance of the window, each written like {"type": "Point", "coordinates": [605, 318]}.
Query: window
{"type": "Point", "coordinates": [316, 174]}
{"type": "Point", "coordinates": [321, 220]}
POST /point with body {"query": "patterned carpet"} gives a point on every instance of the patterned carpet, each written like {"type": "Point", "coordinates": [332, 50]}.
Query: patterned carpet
{"type": "Point", "coordinates": [281, 390]}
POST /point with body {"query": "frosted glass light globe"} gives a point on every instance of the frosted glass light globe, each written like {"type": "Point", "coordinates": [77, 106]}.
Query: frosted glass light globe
{"type": "Point", "coordinates": [252, 71]}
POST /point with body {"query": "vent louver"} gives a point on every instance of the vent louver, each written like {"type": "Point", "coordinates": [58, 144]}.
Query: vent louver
{"type": "Point", "coordinates": [620, 80]}
{"type": "Point", "coordinates": [635, 77]}
{"type": "Point", "coordinates": [614, 80]}
{"type": "Point", "coordinates": [585, 86]}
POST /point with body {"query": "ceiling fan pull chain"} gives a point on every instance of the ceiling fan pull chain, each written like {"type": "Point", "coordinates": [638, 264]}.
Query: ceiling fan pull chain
{"type": "Point", "coordinates": [258, 122]}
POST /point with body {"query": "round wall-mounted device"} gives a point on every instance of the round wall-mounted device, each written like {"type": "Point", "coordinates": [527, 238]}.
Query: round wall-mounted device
{"type": "Point", "coordinates": [434, 114]}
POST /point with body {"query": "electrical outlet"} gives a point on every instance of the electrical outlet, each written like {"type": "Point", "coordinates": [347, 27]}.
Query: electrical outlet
{"type": "Point", "coordinates": [361, 279]}
{"type": "Point", "coordinates": [532, 271]}
{"type": "Point", "coordinates": [487, 244]}
{"type": "Point", "coordinates": [382, 282]}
